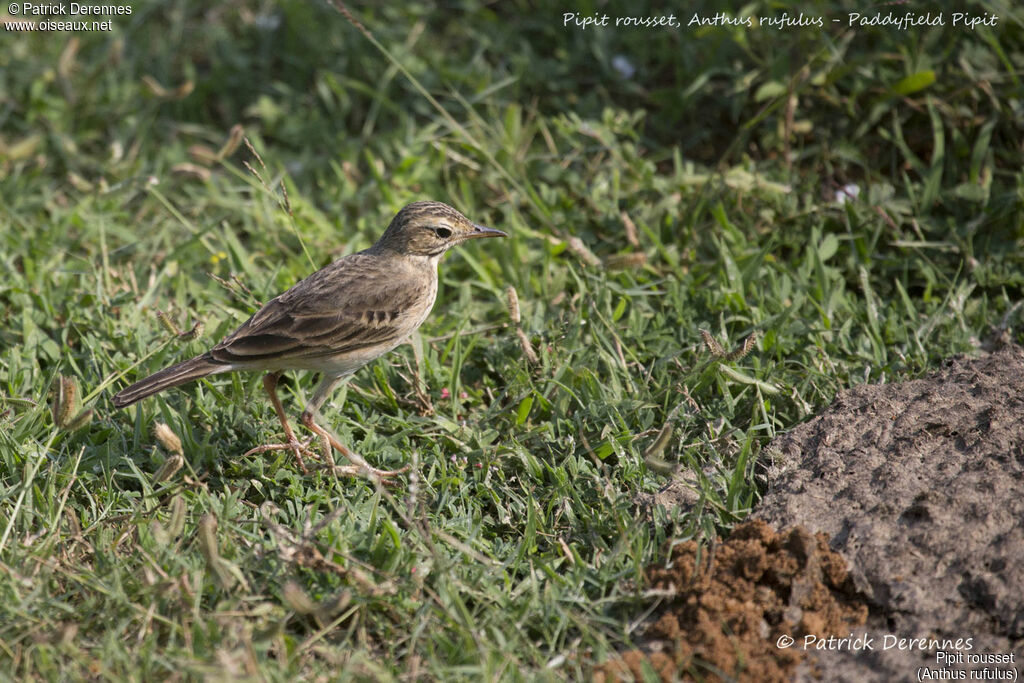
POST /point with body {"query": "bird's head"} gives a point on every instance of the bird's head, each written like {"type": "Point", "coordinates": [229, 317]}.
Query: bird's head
{"type": "Point", "coordinates": [430, 229]}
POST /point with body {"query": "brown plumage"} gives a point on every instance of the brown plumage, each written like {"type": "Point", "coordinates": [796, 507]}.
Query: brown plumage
{"type": "Point", "coordinates": [337, 319]}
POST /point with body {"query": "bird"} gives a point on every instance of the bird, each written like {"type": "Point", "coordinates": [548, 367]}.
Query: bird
{"type": "Point", "coordinates": [334, 321]}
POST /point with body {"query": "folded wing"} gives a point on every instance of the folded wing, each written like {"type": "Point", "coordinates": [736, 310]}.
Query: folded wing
{"type": "Point", "coordinates": [350, 305]}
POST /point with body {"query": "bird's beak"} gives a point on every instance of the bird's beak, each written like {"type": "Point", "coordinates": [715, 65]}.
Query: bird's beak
{"type": "Point", "coordinates": [484, 231]}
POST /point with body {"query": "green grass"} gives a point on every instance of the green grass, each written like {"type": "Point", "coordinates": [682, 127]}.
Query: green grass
{"type": "Point", "coordinates": [515, 547]}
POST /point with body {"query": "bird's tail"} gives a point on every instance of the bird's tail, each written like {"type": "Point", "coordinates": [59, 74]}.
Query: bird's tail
{"type": "Point", "coordinates": [189, 370]}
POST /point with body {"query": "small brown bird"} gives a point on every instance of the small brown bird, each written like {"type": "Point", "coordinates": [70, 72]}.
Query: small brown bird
{"type": "Point", "coordinates": [335, 321]}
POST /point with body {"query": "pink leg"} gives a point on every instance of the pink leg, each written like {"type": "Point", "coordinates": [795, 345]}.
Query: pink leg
{"type": "Point", "coordinates": [292, 444]}
{"type": "Point", "coordinates": [359, 465]}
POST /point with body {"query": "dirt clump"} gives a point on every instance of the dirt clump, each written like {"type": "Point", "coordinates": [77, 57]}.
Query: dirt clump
{"type": "Point", "coordinates": [920, 486]}
{"type": "Point", "coordinates": [728, 605]}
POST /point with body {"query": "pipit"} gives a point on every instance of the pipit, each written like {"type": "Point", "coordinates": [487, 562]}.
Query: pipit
{"type": "Point", "coordinates": [335, 321]}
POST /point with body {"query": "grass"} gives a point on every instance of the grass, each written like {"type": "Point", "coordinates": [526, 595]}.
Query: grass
{"type": "Point", "coordinates": [698, 194]}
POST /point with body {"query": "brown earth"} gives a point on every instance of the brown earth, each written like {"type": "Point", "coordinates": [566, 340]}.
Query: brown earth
{"type": "Point", "coordinates": [730, 603]}
{"type": "Point", "coordinates": [918, 488]}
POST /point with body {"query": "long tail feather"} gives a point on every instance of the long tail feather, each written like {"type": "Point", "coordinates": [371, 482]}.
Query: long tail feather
{"type": "Point", "coordinates": [187, 371]}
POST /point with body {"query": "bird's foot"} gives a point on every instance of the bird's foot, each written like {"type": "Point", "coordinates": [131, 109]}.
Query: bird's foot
{"type": "Point", "coordinates": [294, 445]}
{"type": "Point", "coordinates": [386, 477]}
{"type": "Point", "coordinates": [359, 466]}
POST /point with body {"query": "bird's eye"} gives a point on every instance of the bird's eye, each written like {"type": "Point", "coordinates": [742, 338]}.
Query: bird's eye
{"type": "Point", "coordinates": [443, 233]}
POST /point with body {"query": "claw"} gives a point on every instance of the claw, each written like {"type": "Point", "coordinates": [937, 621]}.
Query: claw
{"type": "Point", "coordinates": [386, 476]}
{"type": "Point", "coordinates": [292, 445]}
{"type": "Point", "coordinates": [359, 466]}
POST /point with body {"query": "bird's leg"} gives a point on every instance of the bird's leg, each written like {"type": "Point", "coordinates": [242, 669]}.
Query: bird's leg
{"type": "Point", "coordinates": [359, 465]}
{"type": "Point", "coordinates": [292, 444]}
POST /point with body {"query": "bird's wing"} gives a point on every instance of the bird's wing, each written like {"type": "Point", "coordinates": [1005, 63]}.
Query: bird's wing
{"type": "Point", "coordinates": [352, 304]}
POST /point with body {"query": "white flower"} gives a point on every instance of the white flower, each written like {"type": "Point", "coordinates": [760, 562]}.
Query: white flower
{"type": "Point", "coordinates": [846, 193]}
{"type": "Point", "coordinates": [625, 67]}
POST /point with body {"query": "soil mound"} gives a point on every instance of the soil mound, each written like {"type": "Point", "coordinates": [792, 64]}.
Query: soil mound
{"type": "Point", "coordinates": [920, 486]}
{"type": "Point", "coordinates": [728, 604]}
{"type": "Point", "coordinates": [913, 495]}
